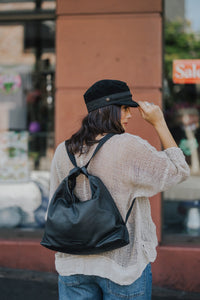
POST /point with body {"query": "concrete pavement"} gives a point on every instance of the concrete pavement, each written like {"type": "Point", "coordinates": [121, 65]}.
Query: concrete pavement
{"type": "Point", "coordinates": [33, 285]}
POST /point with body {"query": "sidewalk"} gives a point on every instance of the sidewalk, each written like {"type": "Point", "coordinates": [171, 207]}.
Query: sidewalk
{"type": "Point", "coordinates": [31, 285]}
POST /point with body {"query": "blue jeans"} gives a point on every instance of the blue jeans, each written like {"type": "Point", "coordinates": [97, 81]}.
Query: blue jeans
{"type": "Point", "coordinates": [84, 287]}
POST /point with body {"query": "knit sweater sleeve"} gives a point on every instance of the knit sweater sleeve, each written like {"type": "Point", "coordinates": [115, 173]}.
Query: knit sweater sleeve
{"type": "Point", "coordinates": [54, 172]}
{"type": "Point", "coordinates": [54, 181]}
{"type": "Point", "coordinates": [153, 171]}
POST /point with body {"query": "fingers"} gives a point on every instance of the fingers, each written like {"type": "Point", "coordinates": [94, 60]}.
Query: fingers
{"type": "Point", "coordinates": [150, 112]}
{"type": "Point", "coordinates": [146, 105]}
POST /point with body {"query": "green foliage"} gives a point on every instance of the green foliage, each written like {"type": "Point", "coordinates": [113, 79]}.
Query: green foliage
{"type": "Point", "coordinates": [180, 43]}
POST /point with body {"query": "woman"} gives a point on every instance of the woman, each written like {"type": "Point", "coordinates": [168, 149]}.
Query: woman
{"type": "Point", "coordinates": [130, 168]}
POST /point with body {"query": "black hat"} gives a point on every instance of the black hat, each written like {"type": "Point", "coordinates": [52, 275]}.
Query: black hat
{"type": "Point", "coordinates": [108, 92]}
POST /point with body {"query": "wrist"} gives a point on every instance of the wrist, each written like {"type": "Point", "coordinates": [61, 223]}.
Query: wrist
{"type": "Point", "coordinates": [160, 125]}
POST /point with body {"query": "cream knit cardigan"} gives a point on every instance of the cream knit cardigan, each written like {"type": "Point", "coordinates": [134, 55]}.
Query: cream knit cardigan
{"type": "Point", "coordinates": [130, 167]}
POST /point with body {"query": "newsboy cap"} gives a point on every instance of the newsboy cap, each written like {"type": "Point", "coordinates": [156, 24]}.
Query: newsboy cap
{"type": "Point", "coordinates": [108, 92]}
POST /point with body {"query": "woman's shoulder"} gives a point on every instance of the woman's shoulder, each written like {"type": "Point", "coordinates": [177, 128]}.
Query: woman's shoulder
{"type": "Point", "coordinates": [131, 142]}
{"type": "Point", "coordinates": [130, 138]}
{"type": "Point", "coordinates": [60, 150]}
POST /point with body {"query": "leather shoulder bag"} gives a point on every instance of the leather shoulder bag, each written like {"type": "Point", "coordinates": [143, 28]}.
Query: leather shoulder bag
{"type": "Point", "coordinates": [84, 227]}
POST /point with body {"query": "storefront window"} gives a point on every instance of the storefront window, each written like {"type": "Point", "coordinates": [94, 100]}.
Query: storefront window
{"type": "Point", "coordinates": [13, 5]}
{"type": "Point", "coordinates": [181, 205]}
{"type": "Point", "coordinates": [27, 72]}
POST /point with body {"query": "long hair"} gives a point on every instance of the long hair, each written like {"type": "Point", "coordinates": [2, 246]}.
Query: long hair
{"type": "Point", "coordinates": [103, 120]}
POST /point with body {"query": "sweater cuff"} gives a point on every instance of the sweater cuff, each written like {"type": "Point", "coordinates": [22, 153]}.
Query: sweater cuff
{"type": "Point", "coordinates": [175, 153]}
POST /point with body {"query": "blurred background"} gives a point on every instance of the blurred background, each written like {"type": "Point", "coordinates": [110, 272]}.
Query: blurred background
{"type": "Point", "coordinates": [50, 53]}
{"type": "Point", "coordinates": [27, 75]}
{"type": "Point", "coordinates": [181, 100]}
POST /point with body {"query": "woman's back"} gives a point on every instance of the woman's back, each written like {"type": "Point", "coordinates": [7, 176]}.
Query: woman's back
{"type": "Point", "coordinates": [128, 166]}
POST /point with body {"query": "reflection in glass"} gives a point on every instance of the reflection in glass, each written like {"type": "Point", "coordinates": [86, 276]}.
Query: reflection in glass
{"type": "Point", "coordinates": [182, 108]}
{"type": "Point", "coordinates": [26, 5]}
{"type": "Point", "coordinates": [27, 68]}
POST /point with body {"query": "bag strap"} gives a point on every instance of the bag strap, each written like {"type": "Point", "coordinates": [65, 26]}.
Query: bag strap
{"type": "Point", "coordinates": [129, 211]}
{"type": "Point", "coordinates": [71, 156]}
{"type": "Point", "coordinates": [100, 144]}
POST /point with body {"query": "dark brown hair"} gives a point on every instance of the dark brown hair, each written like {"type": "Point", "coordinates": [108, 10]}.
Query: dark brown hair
{"type": "Point", "coordinates": [103, 120]}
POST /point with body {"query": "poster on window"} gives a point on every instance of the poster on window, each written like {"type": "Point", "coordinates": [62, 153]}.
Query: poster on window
{"type": "Point", "coordinates": [186, 71]}
{"type": "Point", "coordinates": [13, 156]}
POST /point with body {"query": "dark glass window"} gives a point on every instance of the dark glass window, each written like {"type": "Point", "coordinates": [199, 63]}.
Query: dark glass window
{"type": "Point", "coordinates": [181, 205]}
{"type": "Point", "coordinates": [27, 74]}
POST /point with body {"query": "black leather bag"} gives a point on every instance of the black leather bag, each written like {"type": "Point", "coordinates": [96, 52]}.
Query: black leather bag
{"type": "Point", "coordinates": [84, 227]}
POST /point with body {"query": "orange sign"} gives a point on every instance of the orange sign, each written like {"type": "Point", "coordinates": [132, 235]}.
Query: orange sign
{"type": "Point", "coordinates": [186, 71]}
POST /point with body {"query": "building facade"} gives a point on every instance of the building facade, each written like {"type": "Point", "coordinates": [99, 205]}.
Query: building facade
{"type": "Point", "coordinates": [94, 40]}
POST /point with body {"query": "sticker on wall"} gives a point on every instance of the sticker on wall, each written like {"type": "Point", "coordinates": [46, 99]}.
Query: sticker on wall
{"type": "Point", "coordinates": [13, 156]}
{"type": "Point", "coordinates": [186, 71]}
{"type": "Point", "coordinates": [10, 83]}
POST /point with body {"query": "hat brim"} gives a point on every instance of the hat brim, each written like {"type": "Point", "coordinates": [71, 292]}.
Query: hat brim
{"type": "Point", "coordinates": [124, 98]}
{"type": "Point", "coordinates": [128, 102]}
